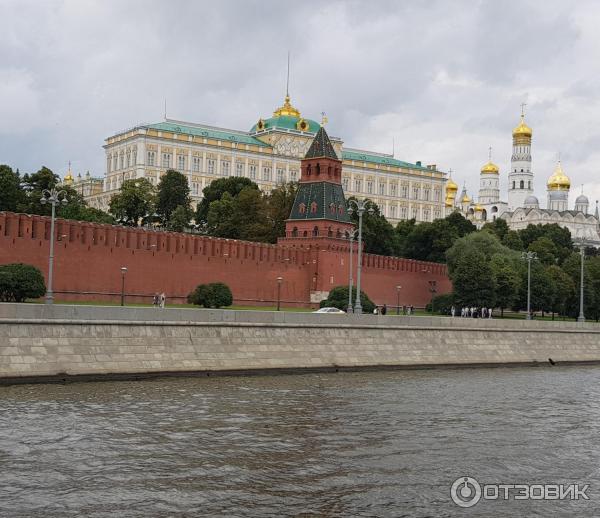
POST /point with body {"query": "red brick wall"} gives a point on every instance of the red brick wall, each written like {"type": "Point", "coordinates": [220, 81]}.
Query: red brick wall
{"type": "Point", "coordinates": [88, 261]}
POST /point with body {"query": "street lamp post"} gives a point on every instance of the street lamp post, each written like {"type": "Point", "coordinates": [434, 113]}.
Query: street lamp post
{"type": "Point", "coordinates": [360, 207]}
{"type": "Point", "coordinates": [52, 196]}
{"type": "Point", "coordinates": [398, 288]}
{"type": "Point", "coordinates": [528, 256]}
{"type": "Point", "coordinates": [123, 272]}
{"type": "Point", "coordinates": [433, 291]}
{"type": "Point", "coordinates": [351, 282]}
{"type": "Point", "coordinates": [279, 281]}
{"type": "Point", "coordinates": [581, 317]}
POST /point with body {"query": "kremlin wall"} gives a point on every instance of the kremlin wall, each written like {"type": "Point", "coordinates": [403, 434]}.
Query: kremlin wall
{"type": "Point", "coordinates": [89, 257]}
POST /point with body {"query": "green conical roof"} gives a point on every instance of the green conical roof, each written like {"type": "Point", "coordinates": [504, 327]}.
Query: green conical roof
{"type": "Point", "coordinates": [321, 146]}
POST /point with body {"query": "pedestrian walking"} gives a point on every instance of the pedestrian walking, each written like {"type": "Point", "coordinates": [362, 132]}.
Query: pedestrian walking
{"type": "Point", "coordinates": [490, 313]}
{"type": "Point", "coordinates": [163, 299]}
{"type": "Point", "coordinates": [155, 300]}
{"type": "Point", "coordinates": [376, 311]}
{"type": "Point", "coordinates": [384, 309]}
{"type": "Point", "coordinates": [452, 311]}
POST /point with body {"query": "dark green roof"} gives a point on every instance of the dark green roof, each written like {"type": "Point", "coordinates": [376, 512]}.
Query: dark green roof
{"type": "Point", "coordinates": [321, 146]}
{"type": "Point", "coordinates": [207, 132]}
{"type": "Point", "coordinates": [360, 156]}
{"type": "Point", "coordinates": [320, 200]}
{"type": "Point", "coordinates": [287, 122]}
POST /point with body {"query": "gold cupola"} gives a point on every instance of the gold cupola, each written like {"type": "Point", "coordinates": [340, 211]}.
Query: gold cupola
{"type": "Point", "coordinates": [287, 109]}
{"type": "Point", "coordinates": [559, 181]}
{"type": "Point", "coordinates": [491, 168]}
{"type": "Point", "coordinates": [465, 198]}
{"type": "Point", "coordinates": [451, 190]}
{"type": "Point", "coordinates": [69, 176]}
{"type": "Point", "coordinates": [522, 133]}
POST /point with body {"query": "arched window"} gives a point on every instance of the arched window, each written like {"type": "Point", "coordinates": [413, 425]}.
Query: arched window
{"type": "Point", "coordinates": [302, 208]}
{"type": "Point", "coordinates": [313, 207]}
{"type": "Point", "coordinates": [529, 184]}
{"type": "Point", "coordinates": [329, 232]}
{"type": "Point", "coordinates": [318, 169]}
{"type": "Point", "coordinates": [308, 168]}
{"type": "Point", "coordinates": [522, 184]}
{"type": "Point", "coordinates": [332, 208]}
{"type": "Point", "coordinates": [295, 232]}
{"type": "Point", "coordinates": [305, 233]}
{"type": "Point", "coordinates": [338, 234]}
{"type": "Point", "coordinates": [315, 231]}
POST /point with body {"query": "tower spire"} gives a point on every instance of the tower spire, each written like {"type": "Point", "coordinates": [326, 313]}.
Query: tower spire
{"type": "Point", "coordinates": [490, 154]}
{"type": "Point", "coordinates": [287, 84]}
{"type": "Point", "coordinates": [523, 109]}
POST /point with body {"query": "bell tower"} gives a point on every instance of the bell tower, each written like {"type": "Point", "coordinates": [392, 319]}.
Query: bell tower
{"type": "Point", "coordinates": [520, 177]}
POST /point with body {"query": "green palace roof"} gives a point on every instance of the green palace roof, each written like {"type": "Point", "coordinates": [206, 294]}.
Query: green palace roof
{"type": "Point", "coordinates": [361, 156]}
{"type": "Point", "coordinates": [212, 133]}
{"type": "Point", "coordinates": [288, 122]}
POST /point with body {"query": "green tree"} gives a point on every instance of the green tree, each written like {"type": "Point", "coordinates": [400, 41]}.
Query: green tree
{"type": "Point", "coordinates": [472, 280]}
{"type": "Point", "coordinates": [543, 289]}
{"type": "Point", "coordinates": [338, 298]}
{"type": "Point", "coordinates": [430, 241]}
{"type": "Point", "coordinates": [173, 191]}
{"type": "Point", "coordinates": [462, 225]}
{"type": "Point", "coordinates": [513, 240]}
{"type": "Point", "coordinates": [561, 237]}
{"type": "Point", "coordinates": [377, 233]}
{"type": "Point", "coordinates": [279, 206]}
{"type": "Point", "coordinates": [134, 203]}
{"type": "Point", "coordinates": [506, 280]}
{"type": "Point", "coordinates": [20, 281]}
{"type": "Point", "coordinates": [85, 213]}
{"type": "Point", "coordinates": [546, 250]}
{"type": "Point", "coordinates": [180, 219]}
{"type": "Point", "coordinates": [214, 295]}
{"type": "Point", "coordinates": [564, 289]}
{"type": "Point", "coordinates": [402, 231]}
{"type": "Point", "coordinates": [499, 227]}
{"type": "Point", "coordinates": [215, 191]}
{"type": "Point", "coordinates": [484, 242]}
{"type": "Point", "coordinates": [12, 195]}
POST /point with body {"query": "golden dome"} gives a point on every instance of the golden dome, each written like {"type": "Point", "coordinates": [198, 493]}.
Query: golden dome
{"type": "Point", "coordinates": [522, 130]}
{"type": "Point", "coordinates": [465, 199]}
{"type": "Point", "coordinates": [490, 167]}
{"type": "Point", "coordinates": [478, 208]}
{"type": "Point", "coordinates": [69, 176]}
{"type": "Point", "coordinates": [287, 109]}
{"type": "Point", "coordinates": [451, 186]}
{"type": "Point", "coordinates": [559, 181]}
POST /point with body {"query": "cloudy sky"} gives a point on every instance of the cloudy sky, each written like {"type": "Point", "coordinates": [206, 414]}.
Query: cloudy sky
{"type": "Point", "coordinates": [444, 79]}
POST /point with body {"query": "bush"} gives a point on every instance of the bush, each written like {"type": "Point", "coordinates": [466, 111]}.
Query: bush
{"type": "Point", "coordinates": [214, 295]}
{"type": "Point", "coordinates": [442, 304]}
{"type": "Point", "coordinates": [338, 298]}
{"type": "Point", "coordinates": [20, 281]}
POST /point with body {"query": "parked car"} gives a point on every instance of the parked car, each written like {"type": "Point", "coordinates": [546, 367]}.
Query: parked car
{"type": "Point", "coordinates": [329, 310]}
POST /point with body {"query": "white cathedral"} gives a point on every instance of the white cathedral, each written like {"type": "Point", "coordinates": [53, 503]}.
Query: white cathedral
{"type": "Point", "coordinates": [523, 207]}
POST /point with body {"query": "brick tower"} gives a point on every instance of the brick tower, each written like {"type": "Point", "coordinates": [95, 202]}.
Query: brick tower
{"type": "Point", "coordinates": [319, 210]}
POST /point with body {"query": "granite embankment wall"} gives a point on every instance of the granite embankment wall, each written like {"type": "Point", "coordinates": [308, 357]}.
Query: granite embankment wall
{"type": "Point", "coordinates": [39, 341]}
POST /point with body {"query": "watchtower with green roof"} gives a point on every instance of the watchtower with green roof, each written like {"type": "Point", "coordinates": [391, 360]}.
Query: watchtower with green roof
{"type": "Point", "coordinates": [319, 210]}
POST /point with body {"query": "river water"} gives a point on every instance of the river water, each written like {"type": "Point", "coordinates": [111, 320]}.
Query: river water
{"type": "Point", "coordinates": [347, 444]}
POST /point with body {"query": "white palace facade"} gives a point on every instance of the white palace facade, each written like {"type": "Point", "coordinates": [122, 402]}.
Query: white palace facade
{"type": "Point", "coordinates": [522, 207]}
{"type": "Point", "coordinates": [269, 154]}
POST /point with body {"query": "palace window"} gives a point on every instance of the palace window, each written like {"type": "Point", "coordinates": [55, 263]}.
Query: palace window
{"type": "Point", "coordinates": [381, 188]}
{"type": "Point", "coordinates": [393, 211]}
{"type": "Point", "coordinates": [415, 193]}
{"type": "Point", "coordinates": [114, 162]}
{"type": "Point", "coordinates": [266, 174]}
{"type": "Point", "coordinates": [196, 164]}
{"type": "Point", "coordinates": [405, 191]}
{"type": "Point", "coordinates": [345, 183]}
{"type": "Point", "coordinates": [403, 212]}
{"type": "Point", "coordinates": [211, 166]}
{"type": "Point", "coordinates": [151, 157]}
{"type": "Point", "coordinates": [293, 175]}
{"type": "Point", "coordinates": [181, 162]}
{"type": "Point", "coordinates": [437, 214]}
{"type": "Point", "coordinates": [108, 162]}
{"type": "Point", "coordinates": [252, 172]}
{"type": "Point", "coordinates": [121, 159]}
{"type": "Point", "coordinates": [357, 185]}
{"type": "Point", "coordinates": [414, 213]}
{"type": "Point", "coordinates": [225, 168]}
{"type": "Point", "coordinates": [426, 194]}
{"type": "Point", "coordinates": [369, 187]}
{"type": "Point", "coordinates": [239, 168]}
{"type": "Point", "coordinates": [280, 175]}
{"type": "Point", "coordinates": [426, 214]}
{"type": "Point", "coordinates": [436, 194]}
{"type": "Point", "coordinates": [134, 155]}
{"type": "Point", "coordinates": [128, 158]}
{"type": "Point", "coordinates": [166, 160]}
{"type": "Point", "coordinates": [522, 184]}
{"type": "Point", "coordinates": [194, 188]}
{"type": "Point", "coordinates": [393, 189]}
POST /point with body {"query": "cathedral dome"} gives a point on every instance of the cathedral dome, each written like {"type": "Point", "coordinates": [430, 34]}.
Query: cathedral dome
{"type": "Point", "coordinates": [522, 130]}
{"type": "Point", "coordinates": [451, 186]}
{"type": "Point", "coordinates": [559, 181]}
{"type": "Point", "coordinates": [478, 208]}
{"type": "Point", "coordinates": [531, 202]}
{"type": "Point", "coordinates": [465, 198]}
{"type": "Point", "coordinates": [490, 167]}
{"type": "Point", "coordinates": [582, 199]}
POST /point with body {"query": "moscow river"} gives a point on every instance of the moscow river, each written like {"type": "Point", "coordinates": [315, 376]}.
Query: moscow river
{"type": "Point", "coordinates": [335, 445]}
